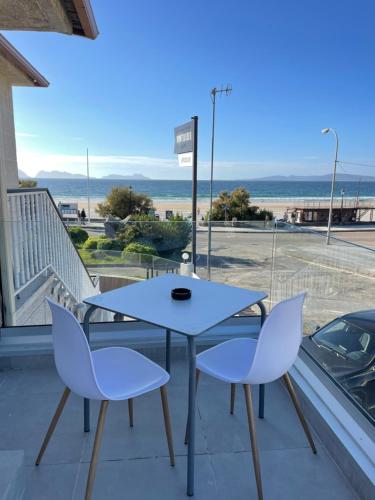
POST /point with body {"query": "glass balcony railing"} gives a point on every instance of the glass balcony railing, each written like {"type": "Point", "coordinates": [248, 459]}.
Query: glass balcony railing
{"type": "Point", "coordinates": [339, 313]}
{"type": "Point", "coordinates": [44, 257]}
{"type": "Point", "coordinates": [339, 278]}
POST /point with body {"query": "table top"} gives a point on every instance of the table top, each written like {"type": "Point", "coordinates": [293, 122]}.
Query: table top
{"type": "Point", "coordinates": [151, 301]}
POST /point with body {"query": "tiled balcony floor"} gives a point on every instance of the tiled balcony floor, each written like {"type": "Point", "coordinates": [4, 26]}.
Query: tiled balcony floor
{"type": "Point", "coordinates": [134, 462]}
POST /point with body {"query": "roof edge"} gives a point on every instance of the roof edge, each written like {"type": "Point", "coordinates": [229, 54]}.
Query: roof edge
{"type": "Point", "coordinates": [87, 18]}
{"type": "Point", "coordinates": [18, 60]}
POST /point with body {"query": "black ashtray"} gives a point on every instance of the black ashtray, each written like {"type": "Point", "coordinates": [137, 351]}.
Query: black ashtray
{"type": "Point", "coordinates": [181, 293]}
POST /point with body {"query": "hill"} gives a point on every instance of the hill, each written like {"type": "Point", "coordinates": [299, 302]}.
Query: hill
{"type": "Point", "coordinates": [317, 178]}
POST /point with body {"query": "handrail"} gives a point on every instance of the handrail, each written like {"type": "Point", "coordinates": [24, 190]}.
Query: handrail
{"type": "Point", "coordinates": [46, 190]}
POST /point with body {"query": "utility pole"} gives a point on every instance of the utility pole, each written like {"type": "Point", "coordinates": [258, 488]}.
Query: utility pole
{"type": "Point", "coordinates": [227, 91]}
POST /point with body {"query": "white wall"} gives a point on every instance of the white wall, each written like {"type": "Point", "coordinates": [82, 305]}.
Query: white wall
{"type": "Point", "coordinates": [8, 179]}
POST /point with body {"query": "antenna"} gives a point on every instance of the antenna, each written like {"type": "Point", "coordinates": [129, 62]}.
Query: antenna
{"type": "Point", "coordinates": [227, 91]}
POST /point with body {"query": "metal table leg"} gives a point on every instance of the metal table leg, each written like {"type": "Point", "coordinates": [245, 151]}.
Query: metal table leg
{"type": "Point", "coordinates": [191, 416]}
{"type": "Point", "coordinates": [263, 315]}
{"type": "Point", "coordinates": [86, 402]}
{"type": "Point", "coordinates": [168, 351]}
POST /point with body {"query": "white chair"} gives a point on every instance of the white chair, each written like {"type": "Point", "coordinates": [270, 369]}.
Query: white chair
{"type": "Point", "coordinates": [110, 374]}
{"type": "Point", "coordinates": [260, 361]}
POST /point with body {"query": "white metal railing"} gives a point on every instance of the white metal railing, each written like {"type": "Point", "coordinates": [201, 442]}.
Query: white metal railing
{"type": "Point", "coordinates": [41, 242]}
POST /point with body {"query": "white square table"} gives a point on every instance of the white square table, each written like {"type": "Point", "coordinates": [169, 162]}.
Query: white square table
{"type": "Point", "coordinates": [150, 301]}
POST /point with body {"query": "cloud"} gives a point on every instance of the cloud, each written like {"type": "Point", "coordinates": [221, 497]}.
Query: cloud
{"type": "Point", "coordinates": [25, 134]}
{"type": "Point", "coordinates": [31, 162]}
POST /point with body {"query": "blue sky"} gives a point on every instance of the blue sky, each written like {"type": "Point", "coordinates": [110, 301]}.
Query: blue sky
{"type": "Point", "coordinates": [295, 67]}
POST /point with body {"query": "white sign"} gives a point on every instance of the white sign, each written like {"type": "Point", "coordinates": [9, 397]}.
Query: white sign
{"type": "Point", "coordinates": [185, 159]}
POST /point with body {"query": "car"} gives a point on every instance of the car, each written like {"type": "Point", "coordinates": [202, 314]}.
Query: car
{"type": "Point", "coordinates": [345, 348]}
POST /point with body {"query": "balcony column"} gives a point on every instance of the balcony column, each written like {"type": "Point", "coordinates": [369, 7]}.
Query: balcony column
{"type": "Point", "coordinates": [8, 178]}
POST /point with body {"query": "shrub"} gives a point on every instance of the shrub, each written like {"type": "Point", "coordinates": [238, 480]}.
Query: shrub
{"type": "Point", "coordinates": [128, 234]}
{"type": "Point", "coordinates": [109, 244]}
{"type": "Point", "coordinates": [140, 248]}
{"type": "Point", "coordinates": [78, 235]}
{"type": "Point", "coordinates": [27, 183]}
{"type": "Point", "coordinates": [92, 242]}
{"type": "Point", "coordinates": [165, 236]}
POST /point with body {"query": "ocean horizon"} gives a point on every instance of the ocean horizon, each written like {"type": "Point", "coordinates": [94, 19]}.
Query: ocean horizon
{"type": "Point", "coordinates": [181, 189]}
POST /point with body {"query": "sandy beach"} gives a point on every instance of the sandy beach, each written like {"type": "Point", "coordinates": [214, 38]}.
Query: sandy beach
{"type": "Point", "coordinates": [183, 206]}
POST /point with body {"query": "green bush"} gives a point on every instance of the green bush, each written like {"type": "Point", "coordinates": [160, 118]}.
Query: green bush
{"type": "Point", "coordinates": [127, 235]}
{"type": "Point", "coordinates": [109, 244]}
{"type": "Point", "coordinates": [140, 248]}
{"type": "Point", "coordinates": [78, 235]}
{"type": "Point", "coordinates": [27, 183]}
{"type": "Point", "coordinates": [165, 236]}
{"type": "Point", "coordinates": [92, 242]}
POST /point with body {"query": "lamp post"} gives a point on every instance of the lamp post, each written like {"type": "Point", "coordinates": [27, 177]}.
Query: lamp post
{"type": "Point", "coordinates": [227, 90]}
{"type": "Point", "coordinates": [325, 131]}
{"type": "Point", "coordinates": [342, 203]}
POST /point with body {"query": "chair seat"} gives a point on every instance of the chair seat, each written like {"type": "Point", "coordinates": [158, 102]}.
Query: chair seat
{"type": "Point", "coordinates": [123, 373]}
{"type": "Point", "coordinates": [229, 361]}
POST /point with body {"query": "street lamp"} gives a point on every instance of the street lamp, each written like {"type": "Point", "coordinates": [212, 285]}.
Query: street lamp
{"type": "Point", "coordinates": [325, 131]}
{"type": "Point", "coordinates": [227, 90]}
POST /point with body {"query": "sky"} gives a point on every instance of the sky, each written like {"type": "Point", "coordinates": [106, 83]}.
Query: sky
{"type": "Point", "coordinates": [295, 67]}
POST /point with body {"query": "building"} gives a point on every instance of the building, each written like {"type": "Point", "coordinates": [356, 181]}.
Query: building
{"type": "Point", "coordinates": [73, 17]}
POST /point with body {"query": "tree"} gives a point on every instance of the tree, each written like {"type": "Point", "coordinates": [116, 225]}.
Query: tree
{"type": "Point", "coordinates": [123, 201]}
{"type": "Point", "coordinates": [237, 204]}
{"type": "Point", "coordinates": [27, 183]}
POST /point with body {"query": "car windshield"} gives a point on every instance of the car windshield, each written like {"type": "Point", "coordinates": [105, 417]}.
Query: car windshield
{"type": "Point", "coordinates": [347, 340]}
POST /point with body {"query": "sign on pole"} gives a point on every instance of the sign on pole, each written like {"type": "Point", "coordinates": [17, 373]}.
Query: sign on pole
{"type": "Point", "coordinates": [185, 159]}
{"type": "Point", "coordinates": [186, 147]}
{"type": "Point", "coordinates": [183, 138]}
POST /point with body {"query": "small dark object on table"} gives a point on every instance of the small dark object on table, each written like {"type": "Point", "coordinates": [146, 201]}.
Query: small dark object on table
{"type": "Point", "coordinates": [181, 293]}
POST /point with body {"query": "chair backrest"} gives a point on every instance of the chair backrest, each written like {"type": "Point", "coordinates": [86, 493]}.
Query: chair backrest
{"type": "Point", "coordinates": [72, 353]}
{"type": "Point", "coordinates": [278, 342]}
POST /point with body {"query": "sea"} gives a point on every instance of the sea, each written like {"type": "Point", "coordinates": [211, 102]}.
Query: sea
{"type": "Point", "coordinates": [76, 189]}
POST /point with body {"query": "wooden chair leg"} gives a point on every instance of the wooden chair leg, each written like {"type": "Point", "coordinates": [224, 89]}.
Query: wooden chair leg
{"type": "Point", "coordinates": [232, 397]}
{"type": "Point", "coordinates": [299, 411]}
{"type": "Point", "coordinates": [197, 374]}
{"type": "Point", "coordinates": [167, 422]}
{"type": "Point", "coordinates": [254, 448]}
{"type": "Point", "coordinates": [130, 409]}
{"type": "Point", "coordinates": [53, 424]}
{"type": "Point", "coordinates": [96, 448]}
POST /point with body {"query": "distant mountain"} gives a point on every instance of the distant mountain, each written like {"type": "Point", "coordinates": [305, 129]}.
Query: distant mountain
{"type": "Point", "coordinates": [22, 175]}
{"type": "Point", "coordinates": [128, 177]}
{"type": "Point", "coordinates": [55, 174]}
{"type": "Point", "coordinates": [317, 178]}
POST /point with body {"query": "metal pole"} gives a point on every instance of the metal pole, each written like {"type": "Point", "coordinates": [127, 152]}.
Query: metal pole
{"type": "Point", "coordinates": [263, 317]}
{"type": "Point", "coordinates": [213, 94]}
{"type": "Point", "coordinates": [332, 187]}
{"type": "Point", "coordinates": [86, 402]}
{"type": "Point", "coordinates": [342, 204]}
{"type": "Point", "coordinates": [88, 185]}
{"type": "Point", "coordinates": [194, 192]}
{"type": "Point", "coordinates": [191, 416]}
